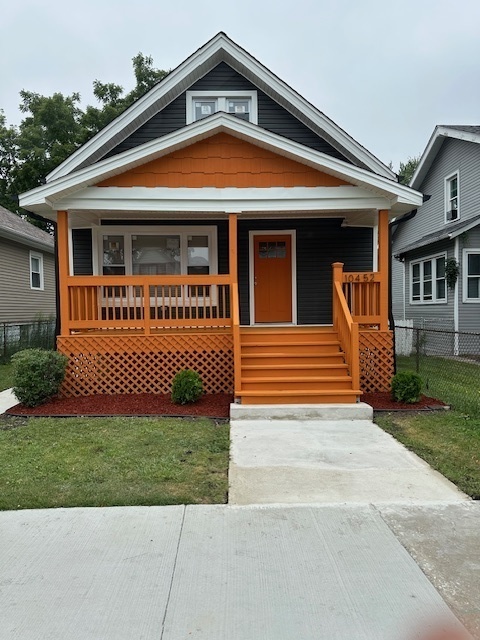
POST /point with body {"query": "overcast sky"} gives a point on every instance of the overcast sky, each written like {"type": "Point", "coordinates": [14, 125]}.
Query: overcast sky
{"type": "Point", "coordinates": [386, 72]}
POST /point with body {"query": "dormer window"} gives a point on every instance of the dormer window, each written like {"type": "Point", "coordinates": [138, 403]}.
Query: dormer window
{"type": "Point", "coordinates": [241, 104]}
{"type": "Point", "coordinates": [451, 198]}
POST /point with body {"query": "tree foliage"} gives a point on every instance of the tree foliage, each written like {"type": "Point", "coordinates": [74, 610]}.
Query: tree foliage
{"type": "Point", "coordinates": [55, 126]}
{"type": "Point", "coordinates": [407, 169]}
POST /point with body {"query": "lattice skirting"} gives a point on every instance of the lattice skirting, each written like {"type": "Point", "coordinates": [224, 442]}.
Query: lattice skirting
{"type": "Point", "coordinates": [145, 364]}
{"type": "Point", "coordinates": [376, 360]}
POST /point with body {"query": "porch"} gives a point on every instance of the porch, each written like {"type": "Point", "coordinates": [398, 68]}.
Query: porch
{"type": "Point", "coordinates": [130, 334]}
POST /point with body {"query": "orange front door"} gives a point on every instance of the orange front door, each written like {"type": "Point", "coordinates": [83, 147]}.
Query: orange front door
{"type": "Point", "coordinates": [273, 278]}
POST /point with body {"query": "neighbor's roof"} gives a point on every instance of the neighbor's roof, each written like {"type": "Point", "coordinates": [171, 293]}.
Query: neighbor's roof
{"type": "Point", "coordinates": [469, 133]}
{"type": "Point", "coordinates": [219, 49]}
{"type": "Point", "coordinates": [452, 231]}
{"type": "Point", "coordinates": [16, 228]}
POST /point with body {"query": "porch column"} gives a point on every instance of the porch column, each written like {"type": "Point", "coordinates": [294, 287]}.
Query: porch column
{"type": "Point", "coordinates": [383, 262]}
{"type": "Point", "coordinates": [234, 301]}
{"type": "Point", "coordinates": [63, 270]}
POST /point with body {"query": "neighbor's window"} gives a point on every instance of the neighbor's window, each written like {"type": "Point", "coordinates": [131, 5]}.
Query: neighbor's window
{"type": "Point", "coordinates": [471, 269]}
{"type": "Point", "coordinates": [36, 270]}
{"type": "Point", "coordinates": [451, 198]}
{"type": "Point", "coordinates": [428, 280]}
{"type": "Point", "coordinates": [242, 105]}
{"type": "Point", "coordinates": [113, 255]}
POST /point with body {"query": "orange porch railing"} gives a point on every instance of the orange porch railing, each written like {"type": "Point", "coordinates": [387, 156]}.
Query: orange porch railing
{"type": "Point", "coordinates": [146, 303]}
{"type": "Point", "coordinates": [362, 291]}
{"type": "Point", "coordinates": [345, 326]}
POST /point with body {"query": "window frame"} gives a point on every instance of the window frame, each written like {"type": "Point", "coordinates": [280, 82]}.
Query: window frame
{"type": "Point", "coordinates": [147, 230]}
{"type": "Point", "coordinates": [37, 256]}
{"type": "Point", "coordinates": [433, 258]}
{"type": "Point", "coordinates": [448, 198]}
{"type": "Point", "coordinates": [465, 298]}
{"type": "Point", "coordinates": [221, 97]}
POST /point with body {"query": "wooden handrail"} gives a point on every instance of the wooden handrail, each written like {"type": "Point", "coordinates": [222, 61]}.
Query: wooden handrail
{"type": "Point", "coordinates": [348, 330]}
{"type": "Point", "coordinates": [119, 281]}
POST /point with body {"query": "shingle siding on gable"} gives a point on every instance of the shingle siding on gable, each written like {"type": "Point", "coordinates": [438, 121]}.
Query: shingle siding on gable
{"type": "Point", "coordinates": [18, 302]}
{"type": "Point", "coordinates": [271, 115]}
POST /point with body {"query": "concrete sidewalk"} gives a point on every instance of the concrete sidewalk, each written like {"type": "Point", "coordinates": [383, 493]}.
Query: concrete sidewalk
{"type": "Point", "coordinates": [214, 572]}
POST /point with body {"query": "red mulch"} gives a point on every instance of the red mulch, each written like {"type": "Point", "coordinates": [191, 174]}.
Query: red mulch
{"type": "Point", "coordinates": [151, 404]}
{"type": "Point", "coordinates": [143, 404]}
{"type": "Point", "coordinates": [382, 401]}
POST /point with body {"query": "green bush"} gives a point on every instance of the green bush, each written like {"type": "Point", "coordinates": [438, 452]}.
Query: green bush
{"type": "Point", "coordinates": [406, 387]}
{"type": "Point", "coordinates": [186, 387]}
{"type": "Point", "coordinates": [37, 375]}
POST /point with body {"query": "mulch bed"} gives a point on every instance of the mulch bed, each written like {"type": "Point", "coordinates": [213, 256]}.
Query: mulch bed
{"type": "Point", "coordinates": [382, 401]}
{"type": "Point", "coordinates": [142, 404]}
{"type": "Point", "coordinates": [210, 406]}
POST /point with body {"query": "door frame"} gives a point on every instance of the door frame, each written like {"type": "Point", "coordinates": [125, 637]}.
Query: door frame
{"type": "Point", "coordinates": [273, 232]}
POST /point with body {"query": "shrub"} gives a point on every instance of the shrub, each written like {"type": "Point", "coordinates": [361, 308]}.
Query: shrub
{"type": "Point", "coordinates": [186, 387]}
{"type": "Point", "coordinates": [406, 387]}
{"type": "Point", "coordinates": [37, 375]}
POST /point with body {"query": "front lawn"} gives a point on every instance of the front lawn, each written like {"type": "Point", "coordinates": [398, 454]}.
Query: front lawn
{"type": "Point", "coordinates": [448, 440]}
{"type": "Point", "coordinates": [5, 376]}
{"type": "Point", "coordinates": [79, 462]}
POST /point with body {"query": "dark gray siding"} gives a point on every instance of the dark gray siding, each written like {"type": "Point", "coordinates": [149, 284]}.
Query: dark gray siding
{"type": "Point", "coordinates": [82, 252]}
{"type": "Point", "coordinates": [18, 302]}
{"type": "Point", "coordinates": [319, 244]}
{"type": "Point", "coordinates": [271, 115]}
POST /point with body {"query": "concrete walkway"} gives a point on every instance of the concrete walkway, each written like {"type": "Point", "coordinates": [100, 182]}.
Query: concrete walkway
{"type": "Point", "coordinates": [7, 400]}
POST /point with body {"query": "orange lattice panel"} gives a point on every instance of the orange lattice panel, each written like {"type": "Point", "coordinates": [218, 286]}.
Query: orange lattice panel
{"type": "Point", "coordinates": [376, 360]}
{"type": "Point", "coordinates": [145, 364]}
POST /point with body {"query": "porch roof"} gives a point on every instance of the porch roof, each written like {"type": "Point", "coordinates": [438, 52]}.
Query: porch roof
{"type": "Point", "coordinates": [449, 233]}
{"type": "Point", "coordinates": [367, 190]}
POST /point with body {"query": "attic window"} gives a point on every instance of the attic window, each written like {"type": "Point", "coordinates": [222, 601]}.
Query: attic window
{"type": "Point", "coordinates": [241, 104]}
{"type": "Point", "coordinates": [451, 198]}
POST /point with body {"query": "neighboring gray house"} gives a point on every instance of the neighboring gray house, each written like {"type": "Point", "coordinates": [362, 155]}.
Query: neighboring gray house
{"type": "Point", "coordinates": [446, 226]}
{"type": "Point", "coordinates": [27, 271]}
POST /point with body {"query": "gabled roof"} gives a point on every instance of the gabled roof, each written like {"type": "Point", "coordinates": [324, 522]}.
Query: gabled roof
{"type": "Point", "coordinates": [448, 233]}
{"type": "Point", "coordinates": [469, 133]}
{"type": "Point", "coordinates": [15, 228]}
{"type": "Point", "coordinates": [219, 49]}
{"type": "Point", "coordinates": [47, 197]}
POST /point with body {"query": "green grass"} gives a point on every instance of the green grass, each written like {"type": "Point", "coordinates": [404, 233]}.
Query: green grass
{"type": "Point", "coordinates": [54, 462]}
{"type": "Point", "coordinates": [5, 376]}
{"type": "Point", "coordinates": [448, 440]}
{"type": "Point", "coordinates": [456, 383]}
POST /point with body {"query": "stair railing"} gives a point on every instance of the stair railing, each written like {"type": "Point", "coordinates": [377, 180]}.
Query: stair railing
{"type": "Point", "coordinates": [346, 328]}
{"type": "Point", "coordinates": [237, 366]}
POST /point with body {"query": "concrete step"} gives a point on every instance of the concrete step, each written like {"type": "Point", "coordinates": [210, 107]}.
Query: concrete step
{"type": "Point", "coordinates": [301, 411]}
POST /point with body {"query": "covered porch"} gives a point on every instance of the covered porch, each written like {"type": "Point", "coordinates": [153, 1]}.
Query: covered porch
{"type": "Point", "coordinates": [132, 333]}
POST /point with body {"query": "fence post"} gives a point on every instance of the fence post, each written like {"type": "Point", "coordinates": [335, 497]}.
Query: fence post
{"type": "Point", "coordinates": [417, 350]}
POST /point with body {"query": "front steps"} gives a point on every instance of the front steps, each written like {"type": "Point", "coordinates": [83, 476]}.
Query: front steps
{"type": "Point", "coordinates": [293, 365]}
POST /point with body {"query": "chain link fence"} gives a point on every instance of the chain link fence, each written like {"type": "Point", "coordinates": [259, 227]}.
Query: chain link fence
{"type": "Point", "coordinates": [15, 337]}
{"type": "Point", "coordinates": [447, 361]}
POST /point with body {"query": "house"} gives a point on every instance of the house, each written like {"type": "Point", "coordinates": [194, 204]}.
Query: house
{"type": "Point", "coordinates": [199, 230]}
{"type": "Point", "coordinates": [27, 271]}
{"type": "Point", "coordinates": [443, 235]}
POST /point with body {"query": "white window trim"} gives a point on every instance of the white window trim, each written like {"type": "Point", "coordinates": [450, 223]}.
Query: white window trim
{"type": "Point", "coordinates": [448, 179]}
{"type": "Point", "coordinates": [221, 97]}
{"type": "Point", "coordinates": [39, 257]}
{"type": "Point", "coordinates": [434, 290]}
{"type": "Point", "coordinates": [182, 231]}
{"type": "Point", "coordinates": [465, 298]}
